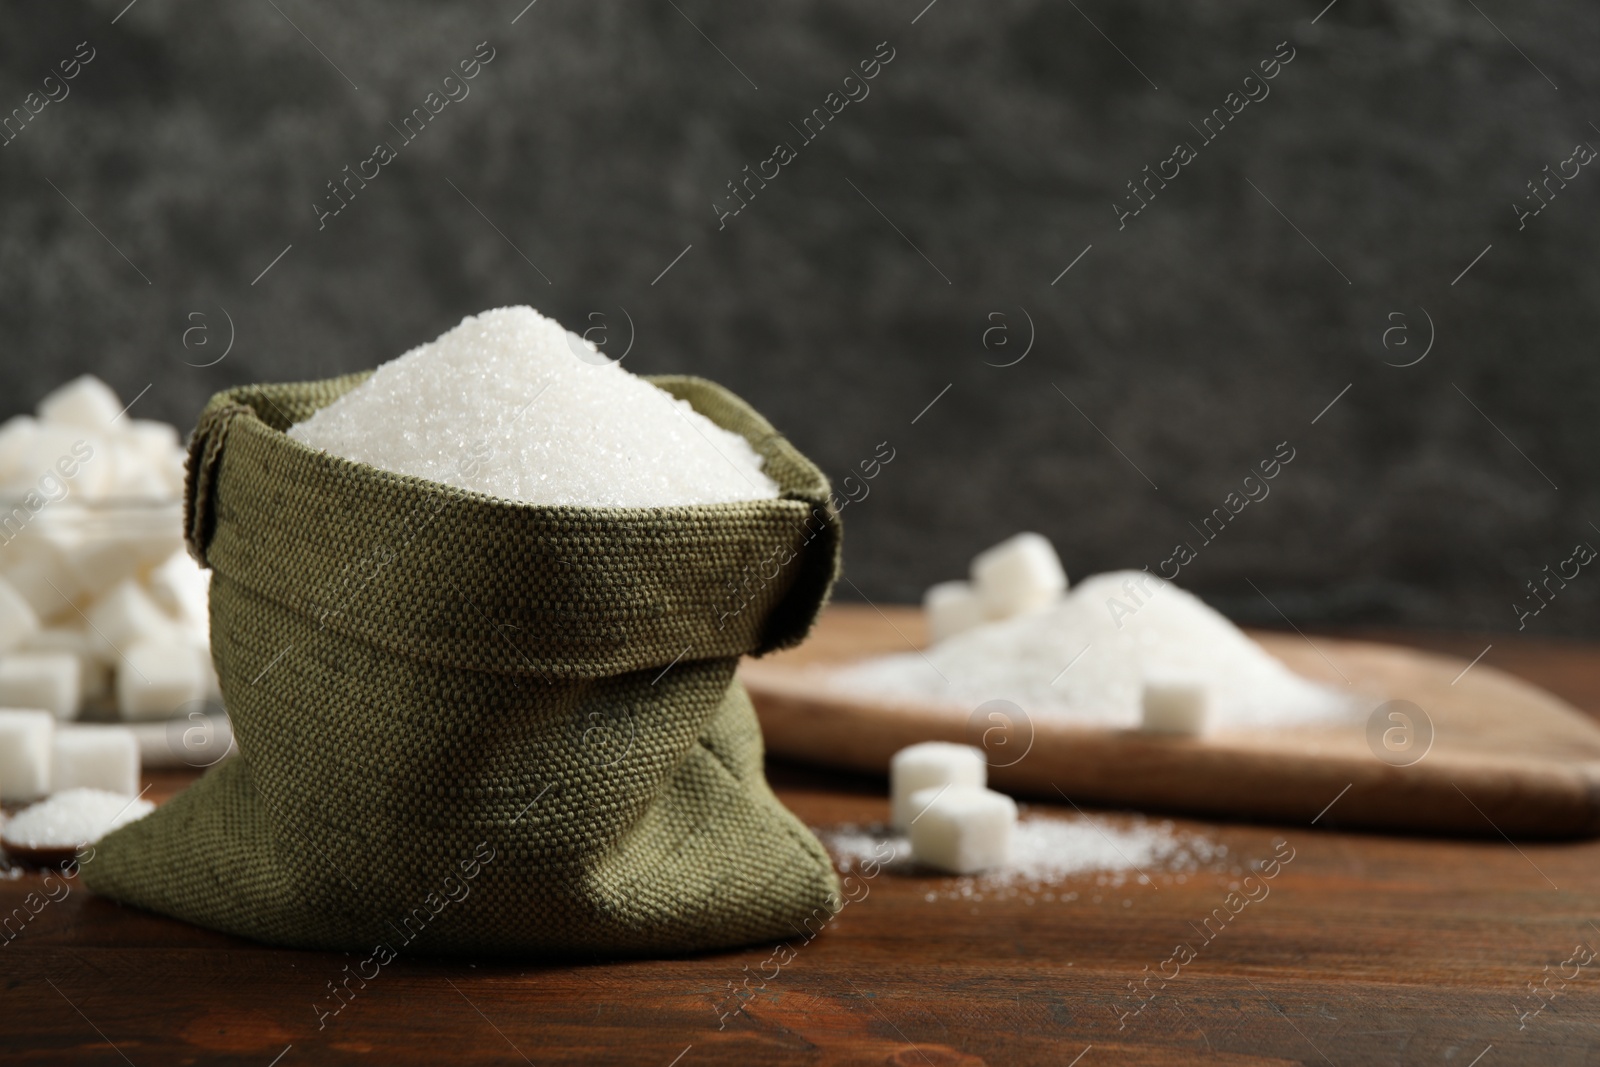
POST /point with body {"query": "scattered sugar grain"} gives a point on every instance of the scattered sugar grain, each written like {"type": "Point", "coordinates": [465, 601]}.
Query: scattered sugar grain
{"type": "Point", "coordinates": [1046, 851]}
{"type": "Point", "coordinates": [503, 404]}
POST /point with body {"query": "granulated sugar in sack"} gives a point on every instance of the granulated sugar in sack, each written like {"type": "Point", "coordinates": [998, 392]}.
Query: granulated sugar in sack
{"type": "Point", "coordinates": [511, 404]}
{"type": "Point", "coordinates": [539, 699]}
{"type": "Point", "coordinates": [1087, 660]}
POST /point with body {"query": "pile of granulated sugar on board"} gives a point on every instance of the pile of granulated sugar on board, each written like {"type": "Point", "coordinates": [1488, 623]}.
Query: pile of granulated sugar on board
{"type": "Point", "coordinates": [1086, 660]}
{"type": "Point", "coordinates": [511, 404]}
{"type": "Point", "coordinates": [1047, 851]}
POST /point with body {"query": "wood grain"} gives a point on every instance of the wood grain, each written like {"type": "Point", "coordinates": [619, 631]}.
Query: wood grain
{"type": "Point", "coordinates": [1371, 949]}
{"type": "Point", "coordinates": [1505, 758]}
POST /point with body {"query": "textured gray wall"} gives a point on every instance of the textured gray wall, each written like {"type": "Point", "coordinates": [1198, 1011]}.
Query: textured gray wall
{"type": "Point", "coordinates": [1190, 342]}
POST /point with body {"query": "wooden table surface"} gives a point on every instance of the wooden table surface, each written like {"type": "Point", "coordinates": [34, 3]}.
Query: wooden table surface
{"type": "Point", "coordinates": [1368, 950]}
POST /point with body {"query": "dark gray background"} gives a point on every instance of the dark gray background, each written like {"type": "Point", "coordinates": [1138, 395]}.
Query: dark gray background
{"type": "Point", "coordinates": [1196, 339]}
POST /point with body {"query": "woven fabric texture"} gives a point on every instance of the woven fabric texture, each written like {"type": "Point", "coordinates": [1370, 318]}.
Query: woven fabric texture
{"type": "Point", "coordinates": [472, 725]}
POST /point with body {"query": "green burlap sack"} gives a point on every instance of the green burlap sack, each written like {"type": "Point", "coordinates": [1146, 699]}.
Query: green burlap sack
{"type": "Point", "coordinates": [471, 725]}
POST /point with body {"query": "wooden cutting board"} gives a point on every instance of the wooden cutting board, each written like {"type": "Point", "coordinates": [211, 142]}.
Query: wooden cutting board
{"type": "Point", "coordinates": [1506, 758]}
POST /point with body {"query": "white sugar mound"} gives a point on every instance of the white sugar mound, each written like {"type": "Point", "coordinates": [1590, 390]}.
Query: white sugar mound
{"type": "Point", "coordinates": [511, 404]}
{"type": "Point", "coordinates": [1087, 661]}
{"type": "Point", "coordinates": [73, 817]}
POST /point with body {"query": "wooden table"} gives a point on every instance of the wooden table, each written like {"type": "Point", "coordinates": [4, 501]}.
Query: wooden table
{"type": "Point", "coordinates": [1368, 950]}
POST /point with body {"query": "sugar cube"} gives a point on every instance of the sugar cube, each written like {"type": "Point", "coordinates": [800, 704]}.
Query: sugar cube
{"type": "Point", "coordinates": [931, 763]}
{"type": "Point", "coordinates": [37, 568]}
{"type": "Point", "coordinates": [95, 757]}
{"type": "Point", "coordinates": [962, 829]}
{"type": "Point", "coordinates": [94, 670]}
{"type": "Point", "coordinates": [17, 617]}
{"type": "Point", "coordinates": [16, 440]}
{"type": "Point", "coordinates": [126, 614]}
{"type": "Point", "coordinates": [25, 750]}
{"type": "Point", "coordinates": [85, 401]}
{"type": "Point", "coordinates": [99, 564]}
{"type": "Point", "coordinates": [65, 461]}
{"type": "Point", "coordinates": [48, 680]}
{"type": "Point", "coordinates": [156, 441]}
{"type": "Point", "coordinates": [157, 677]}
{"type": "Point", "coordinates": [182, 589]}
{"type": "Point", "coordinates": [1019, 575]}
{"type": "Point", "coordinates": [160, 450]}
{"type": "Point", "coordinates": [133, 548]}
{"type": "Point", "coordinates": [1173, 707]}
{"type": "Point", "coordinates": [132, 475]}
{"type": "Point", "coordinates": [950, 608]}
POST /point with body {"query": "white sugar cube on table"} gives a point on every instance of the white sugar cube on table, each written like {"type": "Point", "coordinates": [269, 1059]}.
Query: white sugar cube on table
{"type": "Point", "coordinates": [962, 829]}
{"type": "Point", "coordinates": [1019, 575]}
{"type": "Point", "coordinates": [931, 763]}
{"type": "Point", "coordinates": [25, 753]}
{"type": "Point", "coordinates": [95, 757]}
{"type": "Point", "coordinates": [157, 677]}
{"type": "Point", "coordinates": [48, 680]}
{"type": "Point", "coordinates": [951, 608]}
{"type": "Point", "coordinates": [17, 617]}
{"type": "Point", "coordinates": [1173, 707]}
